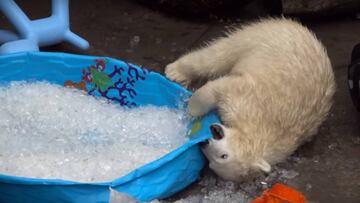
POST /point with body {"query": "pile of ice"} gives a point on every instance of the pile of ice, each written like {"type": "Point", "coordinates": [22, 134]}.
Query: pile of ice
{"type": "Point", "coordinates": [215, 190]}
{"type": "Point", "coordinates": [48, 131]}
{"type": "Point", "coordinates": [212, 189]}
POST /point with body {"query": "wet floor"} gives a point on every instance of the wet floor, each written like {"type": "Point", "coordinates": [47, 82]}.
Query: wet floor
{"type": "Point", "coordinates": [329, 166]}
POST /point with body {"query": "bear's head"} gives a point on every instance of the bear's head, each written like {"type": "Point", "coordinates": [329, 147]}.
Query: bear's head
{"type": "Point", "coordinates": [231, 159]}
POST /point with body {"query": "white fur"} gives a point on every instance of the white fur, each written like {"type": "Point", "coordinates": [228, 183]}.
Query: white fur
{"type": "Point", "coordinates": [273, 85]}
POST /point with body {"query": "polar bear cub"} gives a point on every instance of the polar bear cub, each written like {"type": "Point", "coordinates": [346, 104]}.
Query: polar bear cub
{"type": "Point", "coordinates": [272, 84]}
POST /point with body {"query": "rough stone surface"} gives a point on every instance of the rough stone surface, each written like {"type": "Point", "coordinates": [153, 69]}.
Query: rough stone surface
{"type": "Point", "coordinates": [303, 7]}
{"type": "Point", "coordinates": [196, 7]}
{"type": "Point", "coordinates": [330, 168]}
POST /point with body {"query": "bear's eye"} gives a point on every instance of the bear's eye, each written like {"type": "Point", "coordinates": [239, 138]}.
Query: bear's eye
{"type": "Point", "coordinates": [224, 156]}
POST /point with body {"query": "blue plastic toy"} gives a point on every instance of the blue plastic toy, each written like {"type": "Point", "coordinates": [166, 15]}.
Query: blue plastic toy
{"type": "Point", "coordinates": [129, 85]}
{"type": "Point", "coordinates": [35, 33]}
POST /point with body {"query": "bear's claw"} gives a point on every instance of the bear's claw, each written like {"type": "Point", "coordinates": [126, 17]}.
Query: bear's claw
{"type": "Point", "coordinates": [172, 72]}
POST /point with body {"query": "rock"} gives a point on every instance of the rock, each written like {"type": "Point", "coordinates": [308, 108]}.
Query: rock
{"type": "Point", "coordinates": [319, 7]}
{"type": "Point", "coordinates": [214, 8]}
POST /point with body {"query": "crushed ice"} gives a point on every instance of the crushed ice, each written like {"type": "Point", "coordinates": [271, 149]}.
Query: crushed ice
{"type": "Point", "coordinates": [214, 190]}
{"type": "Point", "coordinates": [48, 131]}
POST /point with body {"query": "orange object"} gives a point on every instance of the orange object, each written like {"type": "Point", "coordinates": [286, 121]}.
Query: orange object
{"type": "Point", "coordinates": [280, 193]}
{"type": "Point", "coordinates": [81, 85]}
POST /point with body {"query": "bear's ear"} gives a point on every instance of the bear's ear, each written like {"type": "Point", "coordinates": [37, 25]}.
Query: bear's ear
{"type": "Point", "coordinates": [263, 165]}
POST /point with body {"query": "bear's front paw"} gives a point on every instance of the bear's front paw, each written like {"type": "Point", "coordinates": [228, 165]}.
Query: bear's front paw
{"type": "Point", "coordinates": [194, 108]}
{"type": "Point", "coordinates": [200, 103]}
{"type": "Point", "coordinates": [172, 72]}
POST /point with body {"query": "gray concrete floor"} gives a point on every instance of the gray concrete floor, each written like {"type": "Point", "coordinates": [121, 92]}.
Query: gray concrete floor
{"type": "Point", "coordinates": [330, 167]}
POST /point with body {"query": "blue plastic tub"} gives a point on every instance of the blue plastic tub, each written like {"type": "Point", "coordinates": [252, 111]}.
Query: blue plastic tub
{"type": "Point", "coordinates": [129, 85]}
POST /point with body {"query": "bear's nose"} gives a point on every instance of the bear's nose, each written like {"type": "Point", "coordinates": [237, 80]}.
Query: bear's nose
{"type": "Point", "coordinates": [204, 144]}
{"type": "Point", "coordinates": [217, 131]}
